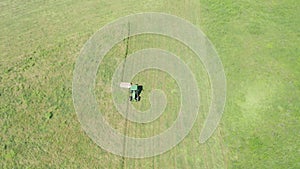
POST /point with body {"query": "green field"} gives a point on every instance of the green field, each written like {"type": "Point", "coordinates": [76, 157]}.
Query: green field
{"type": "Point", "coordinates": [257, 41]}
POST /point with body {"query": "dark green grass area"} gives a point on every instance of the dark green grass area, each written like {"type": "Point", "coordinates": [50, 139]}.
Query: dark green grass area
{"type": "Point", "coordinates": [257, 41]}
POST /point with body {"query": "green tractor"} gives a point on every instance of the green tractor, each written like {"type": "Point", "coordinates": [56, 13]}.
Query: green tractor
{"type": "Point", "coordinates": [135, 91]}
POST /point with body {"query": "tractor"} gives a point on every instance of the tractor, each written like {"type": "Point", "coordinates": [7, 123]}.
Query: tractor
{"type": "Point", "coordinates": [134, 90]}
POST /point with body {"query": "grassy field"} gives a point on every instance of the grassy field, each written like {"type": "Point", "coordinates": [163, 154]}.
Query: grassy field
{"type": "Point", "coordinates": [257, 41]}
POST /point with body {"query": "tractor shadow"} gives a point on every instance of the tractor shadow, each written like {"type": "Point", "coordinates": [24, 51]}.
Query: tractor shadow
{"type": "Point", "coordinates": [140, 89]}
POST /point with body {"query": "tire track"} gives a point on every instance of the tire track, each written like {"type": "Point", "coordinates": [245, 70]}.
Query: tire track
{"type": "Point", "coordinates": [126, 120]}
